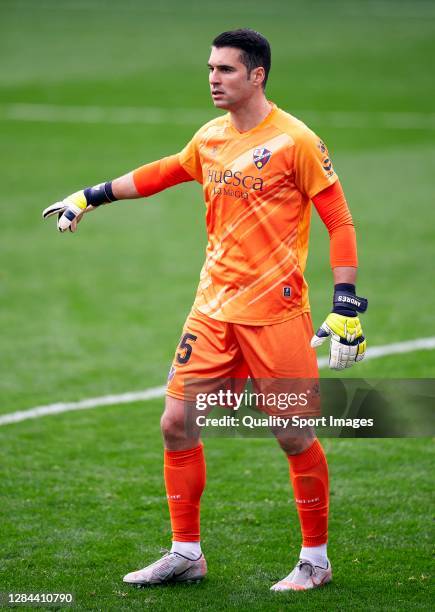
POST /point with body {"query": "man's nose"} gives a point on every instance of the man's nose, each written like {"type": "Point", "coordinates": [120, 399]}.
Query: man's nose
{"type": "Point", "coordinates": [214, 77]}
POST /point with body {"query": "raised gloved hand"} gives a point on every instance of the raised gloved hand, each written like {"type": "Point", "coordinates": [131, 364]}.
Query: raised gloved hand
{"type": "Point", "coordinates": [343, 327]}
{"type": "Point", "coordinates": [71, 210]}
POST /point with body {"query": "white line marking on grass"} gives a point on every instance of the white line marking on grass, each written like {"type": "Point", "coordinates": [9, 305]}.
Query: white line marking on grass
{"type": "Point", "coordinates": [374, 352]}
{"type": "Point", "coordinates": [92, 402]}
{"type": "Point", "coordinates": [396, 348]}
{"type": "Point", "coordinates": [53, 113]}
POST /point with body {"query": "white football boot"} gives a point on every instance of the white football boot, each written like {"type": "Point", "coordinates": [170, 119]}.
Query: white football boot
{"type": "Point", "coordinates": [305, 576]}
{"type": "Point", "coordinates": [172, 567]}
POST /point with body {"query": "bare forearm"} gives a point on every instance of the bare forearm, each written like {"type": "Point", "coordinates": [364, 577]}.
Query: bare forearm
{"type": "Point", "coordinates": [344, 274]}
{"type": "Point", "coordinates": [124, 188]}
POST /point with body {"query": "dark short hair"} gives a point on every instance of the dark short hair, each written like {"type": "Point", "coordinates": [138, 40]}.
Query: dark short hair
{"type": "Point", "coordinates": [255, 49]}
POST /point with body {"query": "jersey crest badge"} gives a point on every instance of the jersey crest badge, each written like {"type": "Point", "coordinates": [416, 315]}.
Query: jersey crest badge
{"type": "Point", "coordinates": [261, 157]}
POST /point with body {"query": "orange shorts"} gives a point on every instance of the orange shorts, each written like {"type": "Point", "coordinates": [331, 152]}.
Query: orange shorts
{"type": "Point", "coordinates": [211, 349]}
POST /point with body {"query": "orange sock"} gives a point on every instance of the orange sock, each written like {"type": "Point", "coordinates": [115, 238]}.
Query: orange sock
{"type": "Point", "coordinates": [185, 481]}
{"type": "Point", "coordinates": [309, 476]}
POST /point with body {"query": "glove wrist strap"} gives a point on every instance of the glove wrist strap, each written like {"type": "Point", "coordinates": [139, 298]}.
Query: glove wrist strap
{"type": "Point", "coordinates": [100, 194]}
{"type": "Point", "coordinates": [346, 302]}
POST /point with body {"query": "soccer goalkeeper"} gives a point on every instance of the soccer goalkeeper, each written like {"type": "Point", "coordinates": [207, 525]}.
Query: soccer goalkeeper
{"type": "Point", "coordinates": [260, 169]}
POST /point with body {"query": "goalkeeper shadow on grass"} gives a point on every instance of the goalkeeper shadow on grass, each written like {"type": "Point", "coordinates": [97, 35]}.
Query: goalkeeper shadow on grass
{"type": "Point", "coordinates": [335, 407]}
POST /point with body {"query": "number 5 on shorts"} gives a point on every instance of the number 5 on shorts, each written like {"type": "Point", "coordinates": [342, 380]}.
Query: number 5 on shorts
{"type": "Point", "coordinates": [186, 347]}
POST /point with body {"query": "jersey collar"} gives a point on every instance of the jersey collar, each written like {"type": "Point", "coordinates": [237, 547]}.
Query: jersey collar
{"type": "Point", "coordinates": [260, 125]}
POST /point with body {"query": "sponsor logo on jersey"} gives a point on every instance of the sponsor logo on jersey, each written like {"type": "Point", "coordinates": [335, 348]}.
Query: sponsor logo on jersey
{"type": "Point", "coordinates": [326, 161]}
{"type": "Point", "coordinates": [322, 146]}
{"type": "Point", "coordinates": [261, 157]}
{"type": "Point", "coordinates": [327, 164]}
{"type": "Point", "coordinates": [235, 179]}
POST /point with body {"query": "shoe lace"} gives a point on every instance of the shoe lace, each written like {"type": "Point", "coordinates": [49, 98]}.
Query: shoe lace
{"type": "Point", "coordinates": [303, 562]}
{"type": "Point", "coordinates": [166, 552]}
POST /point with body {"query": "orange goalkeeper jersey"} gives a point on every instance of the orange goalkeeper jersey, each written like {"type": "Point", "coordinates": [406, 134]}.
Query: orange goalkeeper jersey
{"type": "Point", "coordinates": [257, 190]}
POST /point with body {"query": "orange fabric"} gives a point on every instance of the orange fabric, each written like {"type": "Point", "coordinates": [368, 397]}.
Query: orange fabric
{"type": "Point", "coordinates": [310, 480]}
{"type": "Point", "coordinates": [343, 247]}
{"type": "Point", "coordinates": [185, 475]}
{"type": "Point", "coordinates": [228, 350]}
{"type": "Point", "coordinates": [334, 212]}
{"type": "Point", "coordinates": [257, 189]}
{"type": "Point", "coordinates": [159, 175]}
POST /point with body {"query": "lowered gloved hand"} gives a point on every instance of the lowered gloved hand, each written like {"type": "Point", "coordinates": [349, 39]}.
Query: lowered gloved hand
{"type": "Point", "coordinates": [342, 325]}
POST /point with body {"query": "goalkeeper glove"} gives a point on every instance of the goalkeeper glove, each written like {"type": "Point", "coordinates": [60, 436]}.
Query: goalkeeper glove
{"type": "Point", "coordinates": [348, 345]}
{"type": "Point", "coordinates": [70, 210]}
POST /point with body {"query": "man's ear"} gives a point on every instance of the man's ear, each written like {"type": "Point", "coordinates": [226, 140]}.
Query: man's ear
{"type": "Point", "coordinates": [258, 75]}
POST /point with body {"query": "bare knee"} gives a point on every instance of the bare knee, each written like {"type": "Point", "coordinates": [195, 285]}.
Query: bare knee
{"type": "Point", "coordinates": [171, 426]}
{"type": "Point", "coordinates": [293, 444]}
{"type": "Point", "coordinates": [177, 430]}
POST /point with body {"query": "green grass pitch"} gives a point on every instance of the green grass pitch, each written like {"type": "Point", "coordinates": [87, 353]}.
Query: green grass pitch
{"type": "Point", "coordinates": [82, 499]}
